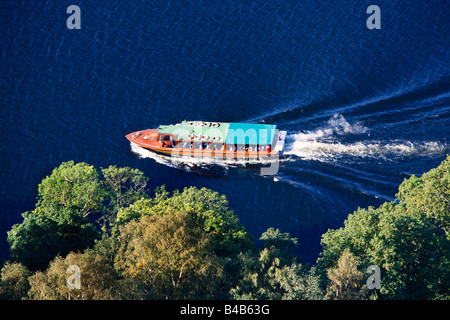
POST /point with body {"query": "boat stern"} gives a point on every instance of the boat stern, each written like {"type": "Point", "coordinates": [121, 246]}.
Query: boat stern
{"type": "Point", "coordinates": [279, 144]}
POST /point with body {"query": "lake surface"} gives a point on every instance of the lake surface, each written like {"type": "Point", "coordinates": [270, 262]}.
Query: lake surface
{"type": "Point", "coordinates": [364, 108]}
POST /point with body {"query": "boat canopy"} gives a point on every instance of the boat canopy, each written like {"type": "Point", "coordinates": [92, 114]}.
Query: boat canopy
{"type": "Point", "coordinates": [224, 132]}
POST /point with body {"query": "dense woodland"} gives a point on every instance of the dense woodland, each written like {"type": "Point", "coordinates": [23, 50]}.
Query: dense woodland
{"type": "Point", "coordinates": [133, 243]}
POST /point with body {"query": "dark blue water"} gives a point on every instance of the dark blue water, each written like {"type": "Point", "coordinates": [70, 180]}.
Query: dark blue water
{"type": "Point", "coordinates": [364, 109]}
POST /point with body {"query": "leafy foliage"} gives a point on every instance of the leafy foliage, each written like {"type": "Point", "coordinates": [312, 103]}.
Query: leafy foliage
{"type": "Point", "coordinates": [275, 273]}
{"type": "Point", "coordinates": [170, 256]}
{"type": "Point", "coordinates": [122, 187]}
{"type": "Point", "coordinates": [207, 207]}
{"type": "Point", "coordinates": [43, 235]}
{"type": "Point", "coordinates": [98, 279]}
{"type": "Point", "coordinates": [405, 238]}
{"type": "Point", "coordinates": [190, 245]}
{"type": "Point", "coordinates": [14, 281]}
{"type": "Point", "coordinates": [71, 185]}
{"type": "Point", "coordinates": [300, 283]}
{"type": "Point", "coordinates": [429, 195]}
{"type": "Point", "coordinates": [346, 281]}
{"type": "Point", "coordinates": [125, 185]}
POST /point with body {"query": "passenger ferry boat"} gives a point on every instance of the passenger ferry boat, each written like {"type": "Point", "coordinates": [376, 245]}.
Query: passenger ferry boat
{"type": "Point", "coordinates": [219, 140]}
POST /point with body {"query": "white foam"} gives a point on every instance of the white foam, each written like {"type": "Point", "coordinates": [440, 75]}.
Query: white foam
{"type": "Point", "coordinates": [323, 144]}
{"type": "Point", "coordinates": [143, 153]}
{"type": "Point", "coordinates": [339, 125]}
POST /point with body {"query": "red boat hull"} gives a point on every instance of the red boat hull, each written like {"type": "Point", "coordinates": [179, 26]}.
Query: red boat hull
{"type": "Point", "coordinates": [148, 139]}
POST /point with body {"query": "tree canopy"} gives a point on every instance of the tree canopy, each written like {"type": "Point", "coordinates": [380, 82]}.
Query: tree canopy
{"type": "Point", "coordinates": [429, 195]}
{"type": "Point", "coordinates": [170, 256]}
{"type": "Point", "coordinates": [207, 207]}
{"type": "Point", "coordinates": [45, 234]}
{"type": "Point", "coordinates": [71, 185]}
{"type": "Point", "coordinates": [406, 238]}
{"type": "Point", "coordinates": [189, 244]}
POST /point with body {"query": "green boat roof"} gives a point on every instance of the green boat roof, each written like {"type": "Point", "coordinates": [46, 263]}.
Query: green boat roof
{"type": "Point", "coordinates": [224, 132]}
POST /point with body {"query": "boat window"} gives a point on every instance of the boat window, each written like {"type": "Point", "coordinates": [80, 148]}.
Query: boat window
{"type": "Point", "coordinates": [252, 147]}
{"type": "Point", "coordinates": [185, 144]}
{"type": "Point", "coordinates": [167, 144]}
{"type": "Point", "coordinates": [205, 145]}
{"type": "Point", "coordinates": [241, 147]}
{"type": "Point", "coordinates": [231, 147]}
{"type": "Point", "coordinates": [216, 146]}
{"type": "Point", "coordinates": [164, 137]}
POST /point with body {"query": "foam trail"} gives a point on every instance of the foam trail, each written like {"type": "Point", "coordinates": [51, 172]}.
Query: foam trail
{"type": "Point", "coordinates": [148, 154]}
{"type": "Point", "coordinates": [323, 145]}
{"type": "Point", "coordinates": [340, 126]}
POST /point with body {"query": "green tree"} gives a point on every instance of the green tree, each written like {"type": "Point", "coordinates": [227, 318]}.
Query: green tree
{"type": "Point", "coordinates": [412, 253]}
{"type": "Point", "coordinates": [300, 283]}
{"type": "Point", "coordinates": [41, 236]}
{"type": "Point", "coordinates": [98, 280]}
{"type": "Point", "coordinates": [346, 281]}
{"type": "Point", "coordinates": [261, 274]}
{"type": "Point", "coordinates": [207, 207]}
{"type": "Point", "coordinates": [279, 242]}
{"type": "Point", "coordinates": [14, 283]}
{"type": "Point", "coordinates": [405, 238]}
{"type": "Point", "coordinates": [170, 256]}
{"type": "Point", "coordinates": [71, 185]}
{"type": "Point", "coordinates": [122, 187]}
{"type": "Point", "coordinates": [429, 195]}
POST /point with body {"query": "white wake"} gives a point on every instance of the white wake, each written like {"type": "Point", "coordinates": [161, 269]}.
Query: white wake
{"type": "Point", "coordinates": [323, 144]}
